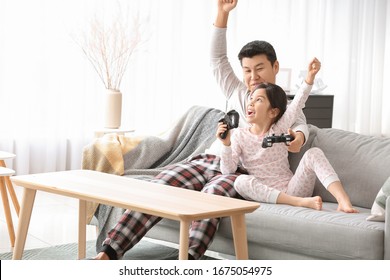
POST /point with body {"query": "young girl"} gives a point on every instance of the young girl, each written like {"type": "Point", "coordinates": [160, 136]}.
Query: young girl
{"type": "Point", "coordinates": [270, 178]}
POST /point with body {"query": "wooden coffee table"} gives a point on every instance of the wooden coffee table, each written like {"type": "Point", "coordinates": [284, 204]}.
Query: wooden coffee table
{"type": "Point", "coordinates": [160, 200]}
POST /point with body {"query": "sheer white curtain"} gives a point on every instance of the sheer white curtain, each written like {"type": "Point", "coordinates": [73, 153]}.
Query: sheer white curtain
{"type": "Point", "coordinates": [350, 37]}
{"type": "Point", "coordinates": [51, 98]}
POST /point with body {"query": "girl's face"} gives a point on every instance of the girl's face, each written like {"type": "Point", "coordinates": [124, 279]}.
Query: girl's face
{"type": "Point", "coordinates": [259, 109]}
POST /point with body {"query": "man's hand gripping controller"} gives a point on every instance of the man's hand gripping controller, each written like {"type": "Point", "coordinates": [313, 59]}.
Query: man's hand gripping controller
{"type": "Point", "coordinates": [269, 140]}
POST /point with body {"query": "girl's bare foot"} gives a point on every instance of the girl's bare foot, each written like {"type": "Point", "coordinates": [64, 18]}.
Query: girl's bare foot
{"type": "Point", "coordinates": [312, 202]}
{"type": "Point", "coordinates": [308, 202]}
{"type": "Point", "coordinates": [346, 207]}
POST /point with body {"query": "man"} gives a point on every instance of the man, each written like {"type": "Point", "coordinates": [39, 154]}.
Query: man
{"type": "Point", "coordinates": [259, 64]}
{"type": "Point", "coordinates": [202, 173]}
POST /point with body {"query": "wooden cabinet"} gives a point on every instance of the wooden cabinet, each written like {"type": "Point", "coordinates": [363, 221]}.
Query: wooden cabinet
{"type": "Point", "coordinates": [318, 110]}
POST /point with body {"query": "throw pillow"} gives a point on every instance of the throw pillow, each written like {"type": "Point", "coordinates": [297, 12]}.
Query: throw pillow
{"type": "Point", "coordinates": [378, 209]}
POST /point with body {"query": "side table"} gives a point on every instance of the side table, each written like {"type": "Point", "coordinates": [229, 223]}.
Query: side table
{"type": "Point", "coordinates": [6, 184]}
{"type": "Point", "coordinates": [100, 132]}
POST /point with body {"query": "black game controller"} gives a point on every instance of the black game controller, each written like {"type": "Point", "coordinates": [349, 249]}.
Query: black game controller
{"type": "Point", "coordinates": [231, 119]}
{"type": "Point", "coordinates": [269, 140]}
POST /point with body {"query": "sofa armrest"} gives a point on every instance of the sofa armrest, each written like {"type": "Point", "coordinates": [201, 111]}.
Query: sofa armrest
{"type": "Point", "coordinates": [387, 230]}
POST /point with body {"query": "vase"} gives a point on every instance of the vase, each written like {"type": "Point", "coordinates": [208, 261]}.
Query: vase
{"type": "Point", "coordinates": [113, 109]}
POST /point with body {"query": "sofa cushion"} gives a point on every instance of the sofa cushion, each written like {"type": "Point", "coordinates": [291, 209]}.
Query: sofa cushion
{"type": "Point", "coordinates": [378, 208]}
{"type": "Point", "coordinates": [277, 231]}
{"type": "Point", "coordinates": [362, 163]}
{"type": "Point", "coordinates": [326, 234]}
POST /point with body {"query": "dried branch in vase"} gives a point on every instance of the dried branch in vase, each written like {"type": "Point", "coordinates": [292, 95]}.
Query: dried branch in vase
{"type": "Point", "coordinates": [109, 48]}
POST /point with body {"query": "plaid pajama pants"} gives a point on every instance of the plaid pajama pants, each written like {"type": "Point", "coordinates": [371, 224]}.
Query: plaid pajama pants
{"type": "Point", "coordinates": [200, 173]}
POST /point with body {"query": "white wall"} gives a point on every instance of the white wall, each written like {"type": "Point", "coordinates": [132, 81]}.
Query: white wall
{"type": "Point", "coordinates": [52, 98]}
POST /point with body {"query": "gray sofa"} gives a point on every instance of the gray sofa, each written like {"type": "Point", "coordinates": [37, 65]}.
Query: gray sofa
{"type": "Point", "coordinates": [285, 232]}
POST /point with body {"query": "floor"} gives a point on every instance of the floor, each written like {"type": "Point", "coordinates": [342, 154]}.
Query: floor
{"type": "Point", "coordinates": [54, 221]}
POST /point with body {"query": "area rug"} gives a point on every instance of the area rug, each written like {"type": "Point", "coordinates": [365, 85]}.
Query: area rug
{"type": "Point", "coordinates": [144, 250]}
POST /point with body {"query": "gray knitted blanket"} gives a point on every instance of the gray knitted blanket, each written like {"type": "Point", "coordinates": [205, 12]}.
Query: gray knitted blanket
{"type": "Point", "coordinates": [193, 133]}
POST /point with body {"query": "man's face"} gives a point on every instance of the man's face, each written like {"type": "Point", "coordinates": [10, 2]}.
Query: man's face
{"type": "Point", "coordinates": [257, 70]}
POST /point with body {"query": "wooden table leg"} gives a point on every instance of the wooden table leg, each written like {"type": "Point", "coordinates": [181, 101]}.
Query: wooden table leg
{"type": "Point", "coordinates": [239, 236]}
{"type": "Point", "coordinates": [7, 211]}
{"type": "Point", "coordinates": [24, 222]}
{"type": "Point", "coordinates": [12, 194]}
{"type": "Point", "coordinates": [82, 228]}
{"type": "Point", "coordinates": [11, 190]}
{"type": "Point", "coordinates": [184, 236]}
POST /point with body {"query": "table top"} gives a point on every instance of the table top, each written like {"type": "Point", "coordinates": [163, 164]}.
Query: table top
{"type": "Point", "coordinates": [113, 130]}
{"type": "Point", "coordinates": [6, 155]}
{"type": "Point", "coordinates": [101, 132]}
{"type": "Point", "coordinates": [6, 171]}
{"type": "Point", "coordinates": [147, 197]}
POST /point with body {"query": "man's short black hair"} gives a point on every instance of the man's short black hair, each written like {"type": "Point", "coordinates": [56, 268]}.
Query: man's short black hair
{"type": "Point", "coordinates": [257, 48]}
